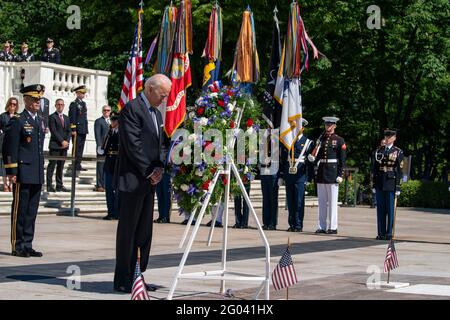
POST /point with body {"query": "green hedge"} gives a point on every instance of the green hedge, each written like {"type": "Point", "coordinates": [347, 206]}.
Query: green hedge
{"type": "Point", "coordinates": [424, 194]}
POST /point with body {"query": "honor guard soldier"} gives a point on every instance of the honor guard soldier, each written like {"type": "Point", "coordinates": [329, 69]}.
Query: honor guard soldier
{"type": "Point", "coordinates": [24, 55]}
{"type": "Point", "coordinates": [6, 54]}
{"type": "Point", "coordinates": [329, 154]}
{"type": "Point", "coordinates": [79, 124]}
{"type": "Point", "coordinates": [110, 148]}
{"type": "Point", "coordinates": [51, 54]}
{"type": "Point", "coordinates": [24, 164]}
{"type": "Point", "coordinates": [297, 173]}
{"type": "Point", "coordinates": [269, 170]}
{"type": "Point", "coordinates": [386, 177]}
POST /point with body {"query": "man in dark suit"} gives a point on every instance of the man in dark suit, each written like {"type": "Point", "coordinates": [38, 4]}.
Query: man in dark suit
{"type": "Point", "coordinates": [59, 125]}
{"type": "Point", "coordinates": [44, 110]}
{"type": "Point", "coordinates": [79, 124]}
{"type": "Point", "coordinates": [101, 128]}
{"type": "Point", "coordinates": [138, 171]}
{"type": "Point", "coordinates": [24, 163]}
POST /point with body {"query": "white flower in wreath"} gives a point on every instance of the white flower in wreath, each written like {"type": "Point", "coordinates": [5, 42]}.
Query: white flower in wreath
{"type": "Point", "coordinates": [191, 115]}
{"type": "Point", "coordinates": [245, 170]}
{"type": "Point", "coordinates": [213, 95]}
{"type": "Point", "coordinates": [199, 173]}
{"type": "Point", "coordinates": [203, 121]}
{"type": "Point", "coordinates": [252, 104]}
{"type": "Point", "coordinates": [187, 150]}
{"type": "Point", "coordinates": [192, 137]}
{"type": "Point", "coordinates": [231, 106]}
{"type": "Point", "coordinates": [184, 187]}
{"type": "Point", "coordinates": [250, 130]}
{"type": "Point", "coordinates": [223, 121]}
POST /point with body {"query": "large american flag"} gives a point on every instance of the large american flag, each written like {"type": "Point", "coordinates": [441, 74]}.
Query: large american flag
{"type": "Point", "coordinates": [139, 291]}
{"type": "Point", "coordinates": [391, 262]}
{"type": "Point", "coordinates": [284, 274]}
{"type": "Point", "coordinates": [134, 79]}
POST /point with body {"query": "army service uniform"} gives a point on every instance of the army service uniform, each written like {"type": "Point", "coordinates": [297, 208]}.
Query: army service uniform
{"type": "Point", "coordinates": [79, 124]}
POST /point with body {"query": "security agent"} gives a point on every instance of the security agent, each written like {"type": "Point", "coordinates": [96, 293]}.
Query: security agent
{"type": "Point", "coordinates": [297, 172]}
{"type": "Point", "coordinates": [329, 154]}
{"type": "Point", "coordinates": [79, 124]}
{"type": "Point", "coordinates": [386, 177]}
{"type": "Point", "coordinates": [51, 54]}
{"type": "Point", "coordinates": [24, 164]}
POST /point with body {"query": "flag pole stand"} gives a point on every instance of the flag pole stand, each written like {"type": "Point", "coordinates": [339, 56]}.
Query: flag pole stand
{"type": "Point", "coordinates": [388, 284]}
{"type": "Point", "coordinates": [224, 274]}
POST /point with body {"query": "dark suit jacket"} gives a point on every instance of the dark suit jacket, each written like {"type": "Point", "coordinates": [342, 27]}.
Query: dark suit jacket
{"type": "Point", "coordinates": [23, 149]}
{"type": "Point", "coordinates": [45, 113]}
{"type": "Point", "coordinates": [139, 147]}
{"type": "Point", "coordinates": [58, 133]}
{"type": "Point", "coordinates": [101, 128]}
{"type": "Point", "coordinates": [4, 119]}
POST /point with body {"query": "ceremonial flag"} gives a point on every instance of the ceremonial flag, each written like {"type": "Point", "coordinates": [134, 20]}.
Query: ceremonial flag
{"type": "Point", "coordinates": [272, 109]}
{"type": "Point", "coordinates": [134, 79]}
{"type": "Point", "coordinates": [181, 70]}
{"type": "Point", "coordinates": [166, 40]}
{"type": "Point", "coordinates": [139, 291]}
{"type": "Point", "coordinates": [287, 88]}
{"type": "Point", "coordinates": [391, 262]}
{"type": "Point", "coordinates": [213, 48]}
{"type": "Point", "coordinates": [246, 60]}
{"type": "Point", "coordinates": [151, 50]}
{"type": "Point", "coordinates": [284, 275]}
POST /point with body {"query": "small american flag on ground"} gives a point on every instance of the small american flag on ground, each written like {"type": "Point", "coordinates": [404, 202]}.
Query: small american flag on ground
{"type": "Point", "coordinates": [139, 291]}
{"type": "Point", "coordinates": [284, 274]}
{"type": "Point", "coordinates": [391, 262]}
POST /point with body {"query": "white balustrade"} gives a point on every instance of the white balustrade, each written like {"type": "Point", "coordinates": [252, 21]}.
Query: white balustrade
{"type": "Point", "coordinates": [59, 81]}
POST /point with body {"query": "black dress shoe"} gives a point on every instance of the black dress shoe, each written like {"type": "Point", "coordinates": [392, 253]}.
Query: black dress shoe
{"type": "Point", "coordinates": [329, 231]}
{"type": "Point", "coordinates": [122, 289]}
{"type": "Point", "coordinates": [379, 238]}
{"type": "Point", "coordinates": [290, 229]}
{"type": "Point", "coordinates": [151, 287]}
{"type": "Point", "coordinates": [218, 224]}
{"type": "Point", "coordinates": [318, 231]}
{"type": "Point", "coordinates": [21, 253]}
{"type": "Point", "coordinates": [272, 228]}
{"type": "Point", "coordinates": [162, 220]}
{"type": "Point", "coordinates": [264, 227]}
{"type": "Point", "coordinates": [108, 217]}
{"type": "Point", "coordinates": [34, 253]}
{"type": "Point", "coordinates": [237, 226]}
{"type": "Point", "coordinates": [62, 189]}
{"type": "Point", "coordinates": [298, 229]}
{"type": "Point", "coordinates": [51, 189]}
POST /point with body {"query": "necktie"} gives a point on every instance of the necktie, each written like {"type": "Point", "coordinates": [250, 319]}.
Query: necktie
{"type": "Point", "coordinates": [61, 118]}
{"type": "Point", "coordinates": [108, 121]}
{"type": "Point", "coordinates": [155, 122]}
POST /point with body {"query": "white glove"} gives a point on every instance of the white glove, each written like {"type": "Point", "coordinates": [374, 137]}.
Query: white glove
{"type": "Point", "coordinates": [374, 190]}
{"type": "Point", "coordinates": [311, 158]}
{"type": "Point", "coordinates": [100, 151]}
{"type": "Point", "coordinates": [280, 182]}
{"type": "Point", "coordinates": [397, 193]}
{"type": "Point", "coordinates": [339, 180]}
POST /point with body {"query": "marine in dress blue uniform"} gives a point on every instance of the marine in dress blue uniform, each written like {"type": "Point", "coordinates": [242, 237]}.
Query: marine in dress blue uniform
{"type": "Point", "coordinates": [79, 123]}
{"type": "Point", "coordinates": [386, 176]}
{"type": "Point", "coordinates": [24, 164]}
{"type": "Point", "coordinates": [297, 172]}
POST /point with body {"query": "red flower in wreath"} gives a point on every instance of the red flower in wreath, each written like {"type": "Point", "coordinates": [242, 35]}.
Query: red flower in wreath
{"type": "Point", "coordinates": [221, 103]}
{"type": "Point", "coordinates": [205, 185]}
{"type": "Point", "coordinates": [200, 111]}
{"type": "Point", "coordinates": [232, 124]}
{"type": "Point", "coordinates": [249, 123]}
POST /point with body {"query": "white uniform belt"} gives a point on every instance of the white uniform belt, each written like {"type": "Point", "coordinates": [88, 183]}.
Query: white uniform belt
{"type": "Point", "coordinates": [328, 160]}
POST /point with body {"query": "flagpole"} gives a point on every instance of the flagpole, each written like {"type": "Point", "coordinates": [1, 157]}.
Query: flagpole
{"type": "Point", "coordinates": [393, 229]}
{"type": "Point", "coordinates": [287, 288]}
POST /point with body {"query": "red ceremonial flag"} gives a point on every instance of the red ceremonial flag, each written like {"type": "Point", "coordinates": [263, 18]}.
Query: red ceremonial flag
{"type": "Point", "coordinates": [176, 101]}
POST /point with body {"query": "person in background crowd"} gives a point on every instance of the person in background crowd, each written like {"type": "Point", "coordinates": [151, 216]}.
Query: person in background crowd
{"type": "Point", "coordinates": [79, 124]}
{"type": "Point", "coordinates": [51, 54]}
{"type": "Point", "coordinates": [7, 54]}
{"type": "Point", "coordinates": [110, 148]}
{"type": "Point", "coordinates": [12, 105]}
{"type": "Point", "coordinates": [59, 125]}
{"type": "Point", "coordinates": [101, 128]}
{"type": "Point", "coordinates": [25, 55]}
{"type": "Point", "coordinates": [44, 110]}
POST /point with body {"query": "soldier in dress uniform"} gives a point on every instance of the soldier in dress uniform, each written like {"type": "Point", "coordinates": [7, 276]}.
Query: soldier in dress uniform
{"type": "Point", "coordinates": [7, 54]}
{"type": "Point", "coordinates": [297, 172]}
{"type": "Point", "coordinates": [24, 55]}
{"type": "Point", "coordinates": [79, 124]}
{"type": "Point", "coordinates": [329, 154]}
{"type": "Point", "coordinates": [24, 164]}
{"type": "Point", "coordinates": [386, 176]}
{"type": "Point", "coordinates": [110, 148]}
{"type": "Point", "coordinates": [51, 54]}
